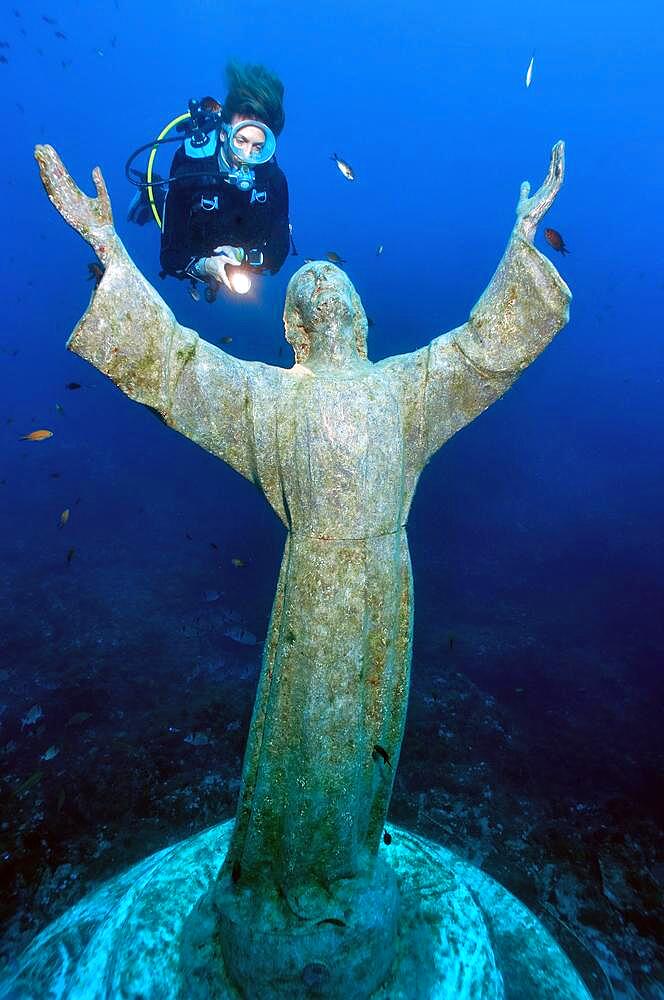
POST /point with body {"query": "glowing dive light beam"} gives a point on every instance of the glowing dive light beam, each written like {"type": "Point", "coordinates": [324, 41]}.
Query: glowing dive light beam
{"type": "Point", "coordinates": [240, 281]}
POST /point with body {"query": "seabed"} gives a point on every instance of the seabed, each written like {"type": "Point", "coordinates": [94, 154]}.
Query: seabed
{"type": "Point", "coordinates": [148, 934]}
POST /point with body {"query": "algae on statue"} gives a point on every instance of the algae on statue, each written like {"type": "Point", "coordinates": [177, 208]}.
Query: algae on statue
{"type": "Point", "coordinates": [337, 445]}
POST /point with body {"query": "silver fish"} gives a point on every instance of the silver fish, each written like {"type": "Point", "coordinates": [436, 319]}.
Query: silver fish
{"type": "Point", "coordinates": [32, 716]}
{"type": "Point", "coordinates": [344, 167]}
{"type": "Point", "coordinates": [529, 72]}
{"type": "Point", "coordinates": [197, 739]}
{"type": "Point", "coordinates": [241, 635]}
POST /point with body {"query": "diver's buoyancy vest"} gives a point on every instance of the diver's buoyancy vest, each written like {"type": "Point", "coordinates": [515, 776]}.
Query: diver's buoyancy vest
{"type": "Point", "coordinates": [217, 210]}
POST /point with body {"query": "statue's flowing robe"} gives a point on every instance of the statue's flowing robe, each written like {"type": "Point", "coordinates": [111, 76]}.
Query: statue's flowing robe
{"type": "Point", "coordinates": [338, 458]}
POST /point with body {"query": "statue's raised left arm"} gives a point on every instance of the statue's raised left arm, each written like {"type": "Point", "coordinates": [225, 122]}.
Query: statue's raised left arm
{"type": "Point", "coordinates": [129, 333]}
{"type": "Point", "coordinates": [460, 373]}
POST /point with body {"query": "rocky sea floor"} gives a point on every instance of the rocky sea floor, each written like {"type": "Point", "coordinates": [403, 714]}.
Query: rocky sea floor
{"type": "Point", "coordinates": [119, 738]}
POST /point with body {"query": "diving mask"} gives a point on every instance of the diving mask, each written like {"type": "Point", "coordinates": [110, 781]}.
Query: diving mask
{"type": "Point", "coordinates": [243, 149]}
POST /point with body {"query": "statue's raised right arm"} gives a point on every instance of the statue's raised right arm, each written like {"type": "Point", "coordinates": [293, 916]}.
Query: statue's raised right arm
{"type": "Point", "coordinates": [459, 374]}
{"type": "Point", "coordinates": [129, 333]}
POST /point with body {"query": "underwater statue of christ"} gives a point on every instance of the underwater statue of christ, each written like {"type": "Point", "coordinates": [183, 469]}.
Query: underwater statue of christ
{"type": "Point", "coordinates": [336, 444]}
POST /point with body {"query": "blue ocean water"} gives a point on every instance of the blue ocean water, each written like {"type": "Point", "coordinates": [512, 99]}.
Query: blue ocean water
{"type": "Point", "coordinates": [536, 533]}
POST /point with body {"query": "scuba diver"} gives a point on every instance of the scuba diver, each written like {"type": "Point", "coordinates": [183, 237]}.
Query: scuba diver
{"type": "Point", "coordinates": [223, 210]}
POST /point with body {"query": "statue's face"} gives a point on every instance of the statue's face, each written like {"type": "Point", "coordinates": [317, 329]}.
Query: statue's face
{"type": "Point", "coordinates": [323, 295]}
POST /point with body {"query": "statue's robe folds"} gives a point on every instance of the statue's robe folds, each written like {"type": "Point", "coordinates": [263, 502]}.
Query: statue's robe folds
{"type": "Point", "coordinates": [338, 457]}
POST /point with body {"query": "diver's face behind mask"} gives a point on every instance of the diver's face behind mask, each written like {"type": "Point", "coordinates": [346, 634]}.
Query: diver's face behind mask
{"type": "Point", "coordinates": [249, 143]}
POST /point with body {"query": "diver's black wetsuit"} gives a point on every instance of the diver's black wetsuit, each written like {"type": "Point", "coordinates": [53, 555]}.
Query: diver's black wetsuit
{"type": "Point", "coordinates": [204, 212]}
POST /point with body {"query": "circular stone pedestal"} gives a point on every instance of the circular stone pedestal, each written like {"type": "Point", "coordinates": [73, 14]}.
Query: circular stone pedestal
{"type": "Point", "coordinates": [334, 943]}
{"type": "Point", "coordinates": [147, 935]}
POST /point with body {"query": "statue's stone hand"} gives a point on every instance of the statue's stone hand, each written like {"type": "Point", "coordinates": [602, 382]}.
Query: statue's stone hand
{"type": "Point", "coordinates": [530, 210]}
{"type": "Point", "coordinates": [91, 217]}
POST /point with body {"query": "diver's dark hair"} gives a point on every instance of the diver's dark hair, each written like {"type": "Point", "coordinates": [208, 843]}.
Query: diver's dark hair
{"type": "Point", "coordinates": [254, 92]}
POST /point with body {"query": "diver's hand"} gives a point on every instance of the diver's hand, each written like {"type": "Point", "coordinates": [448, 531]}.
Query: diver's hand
{"type": "Point", "coordinates": [91, 217]}
{"type": "Point", "coordinates": [530, 210]}
{"type": "Point", "coordinates": [215, 267]}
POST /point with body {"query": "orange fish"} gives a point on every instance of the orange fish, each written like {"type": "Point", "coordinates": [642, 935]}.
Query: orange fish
{"type": "Point", "coordinates": [554, 238]}
{"type": "Point", "coordinates": [37, 436]}
{"type": "Point", "coordinates": [95, 273]}
{"type": "Point", "coordinates": [334, 257]}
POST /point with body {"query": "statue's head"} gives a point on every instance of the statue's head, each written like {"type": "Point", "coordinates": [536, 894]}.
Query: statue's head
{"type": "Point", "coordinates": [323, 313]}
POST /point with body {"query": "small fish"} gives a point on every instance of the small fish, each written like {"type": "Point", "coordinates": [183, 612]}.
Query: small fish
{"type": "Point", "coordinates": [75, 385]}
{"type": "Point", "coordinates": [4, 45]}
{"type": "Point", "coordinates": [197, 739]}
{"type": "Point", "coordinates": [387, 837]}
{"type": "Point", "coordinates": [529, 71]}
{"type": "Point", "coordinates": [332, 920]}
{"type": "Point", "coordinates": [49, 20]}
{"type": "Point", "coordinates": [34, 715]}
{"type": "Point", "coordinates": [50, 753]}
{"type": "Point", "coordinates": [334, 257]}
{"type": "Point", "coordinates": [95, 271]}
{"type": "Point", "coordinates": [213, 545]}
{"type": "Point", "coordinates": [64, 517]}
{"type": "Point", "coordinates": [241, 635]}
{"type": "Point", "coordinates": [194, 292]}
{"type": "Point", "coordinates": [370, 322]}
{"type": "Point", "coordinates": [114, 41]}
{"type": "Point", "coordinates": [79, 718]}
{"type": "Point", "coordinates": [37, 436]}
{"type": "Point", "coordinates": [30, 782]}
{"type": "Point", "coordinates": [60, 409]}
{"type": "Point", "coordinates": [225, 340]}
{"type": "Point", "coordinates": [4, 60]}
{"type": "Point", "coordinates": [60, 34]}
{"type": "Point", "coordinates": [211, 595]}
{"type": "Point", "coordinates": [554, 239]}
{"type": "Point", "coordinates": [379, 751]}
{"type": "Point", "coordinates": [236, 872]}
{"type": "Point", "coordinates": [344, 167]}
{"type": "Point", "coordinates": [450, 642]}
{"type": "Point", "coordinates": [70, 555]}
{"type": "Point", "coordinates": [238, 563]}
{"type": "Point", "coordinates": [379, 250]}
